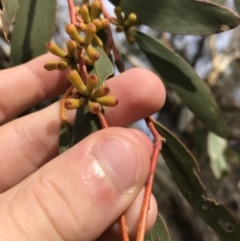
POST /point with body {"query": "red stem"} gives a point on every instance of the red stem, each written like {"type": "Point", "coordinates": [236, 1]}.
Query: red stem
{"type": "Point", "coordinates": [158, 140]}
{"type": "Point", "coordinates": [109, 34]}
{"type": "Point", "coordinates": [123, 226]}
{"type": "Point", "coordinates": [102, 120]}
{"type": "Point", "coordinates": [72, 11]}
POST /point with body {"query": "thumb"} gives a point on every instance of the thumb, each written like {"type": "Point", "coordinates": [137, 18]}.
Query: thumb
{"type": "Point", "coordinates": [80, 193]}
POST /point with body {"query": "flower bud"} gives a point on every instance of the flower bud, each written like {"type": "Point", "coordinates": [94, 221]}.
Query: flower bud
{"type": "Point", "coordinates": [118, 12]}
{"type": "Point", "coordinates": [105, 23]}
{"type": "Point", "coordinates": [92, 53]}
{"type": "Point", "coordinates": [73, 33]}
{"type": "Point", "coordinates": [95, 9]}
{"type": "Point", "coordinates": [98, 41]}
{"type": "Point", "coordinates": [94, 107]}
{"type": "Point", "coordinates": [108, 100]}
{"type": "Point", "coordinates": [61, 65]}
{"type": "Point", "coordinates": [90, 31]}
{"type": "Point", "coordinates": [76, 80]}
{"type": "Point", "coordinates": [131, 20]}
{"type": "Point", "coordinates": [72, 103]}
{"type": "Point", "coordinates": [83, 11]}
{"type": "Point", "coordinates": [100, 92]}
{"type": "Point", "coordinates": [98, 23]}
{"type": "Point", "coordinates": [50, 66]}
{"type": "Point", "coordinates": [92, 81]}
{"type": "Point", "coordinates": [88, 61]}
{"type": "Point", "coordinates": [130, 38]}
{"type": "Point", "coordinates": [54, 49]}
{"type": "Point", "coordinates": [81, 27]}
{"type": "Point", "coordinates": [71, 47]}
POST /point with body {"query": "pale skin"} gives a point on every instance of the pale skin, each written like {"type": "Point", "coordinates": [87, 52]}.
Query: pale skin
{"type": "Point", "coordinates": [80, 194]}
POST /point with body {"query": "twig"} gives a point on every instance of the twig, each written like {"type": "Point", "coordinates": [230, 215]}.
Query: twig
{"type": "Point", "coordinates": [62, 108]}
{"type": "Point", "coordinates": [158, 140]}
{"type": "Point", "coordinates": [102, 120]}
{"type": "Point", "coordinates": [72, 11]}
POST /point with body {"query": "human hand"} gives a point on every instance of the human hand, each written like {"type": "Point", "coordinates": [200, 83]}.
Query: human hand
{"type": "Point", "coordinates": [81, 193]}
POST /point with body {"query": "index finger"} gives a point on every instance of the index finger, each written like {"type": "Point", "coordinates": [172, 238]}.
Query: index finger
{"type": "Point", "coordinates": [24, 86]}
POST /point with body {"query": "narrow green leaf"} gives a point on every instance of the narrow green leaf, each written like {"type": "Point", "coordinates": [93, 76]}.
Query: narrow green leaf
{"type": "Point", "coordinates": [237, 5]}
{"type": "Point", "coordinates": [10, 8]}
{"type": "Point", "coordinates": [222, 2]}
{"type": "Point", "coordinates": [103, 68]}
{"type": "Point", "coordinates": [185, 171]}
{"type": "Point", "coordinates": [35, 22]}
{"type": "Point", "coordinates": [65, 137]}
{"type": "Point", "coordinates": [180, 77]}
{"type": "Point", "coordinates": [216, 147]}
{"type": "Point", "coordinates": [183, 17]}
{"type": "Point", "coordinates": [159, 231]}
{"type": "Point", "coordinates": [85, 124]}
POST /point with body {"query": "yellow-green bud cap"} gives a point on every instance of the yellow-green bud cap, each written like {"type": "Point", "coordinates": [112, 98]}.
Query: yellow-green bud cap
{"type": "Point", "coordinates": [92, 81]}
{"type": "Point", "coordinates": [76, 80]}
{"type": "Point", "coordinates": [54, 49]}
{"type": "Point", "coordinates": [72, 103]}
{"type": "Point", "coordinates": [61, 65]}
{"type": "Point", "coordinates": [94, 107]}
{"type": "Point", "coordinates": [108, 100]}
{"type": "Point", "coordinates": [92, 53]}
{"type": "Point", "coordinates": [81, 27]}
{"type": "Point", "coordinates": [73, 33]}
{"type": "Point", "coordinates": [98, 41]}
{"type": "Point", "coordinates": [98, 23]}
{"type": "Point", "coordinates": [50, 66]}
{"type": "Point", "coordinates": [131, 20]}
{"type": "Point", "coordinates": [71, 47]}
{"type": "Point", "coordinates": [83, 11]}
{"type": "Point", "coordinates": [118, 12]}
{"type": "Point", "coordinates": [105, 23]}
{"type": "Point", "coordinates": [95, 9]}
{"type": "Point", "coordinates": [90, 31]}
{"type": "Point", "coordinates": [88, 61]}
{"type": "Point", "coordinates": [100, 92]}
{"type": "Point", "coordinates": [130, 38]}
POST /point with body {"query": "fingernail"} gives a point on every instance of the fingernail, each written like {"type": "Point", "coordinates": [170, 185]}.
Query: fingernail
{"type": "Point", "coordinates": [120, 160]}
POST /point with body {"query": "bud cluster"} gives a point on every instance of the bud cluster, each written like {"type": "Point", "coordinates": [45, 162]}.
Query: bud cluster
{"type": "Point", "coordinates": [89, 24]}
{"type": "Point", "coordinates": [85, 94]}
{"type": "Point", "coordinates": [125, 23]}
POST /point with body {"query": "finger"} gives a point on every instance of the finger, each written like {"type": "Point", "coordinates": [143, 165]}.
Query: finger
{"type": "Point", "coordinates": [28, 84]}
{"type": "Point", "coordinates": [132, 219]}
{"type": "Point", "coordinates": [134, 89]}
{"type": "Point", "coordinates": [35, 138]}
{"type": "Point", "coordinates": [80, 193]}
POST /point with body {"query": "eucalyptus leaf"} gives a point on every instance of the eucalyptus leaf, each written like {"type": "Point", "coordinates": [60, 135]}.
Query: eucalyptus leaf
{"type": "Point", "coordinates": [216, 147]}
{"type": "Point", "coordinates": [182, 17]}
{"type": "Point", "coordinates": [180, 77]}
{"type": "Point", "coordinates": [159, 231]}
{"type": "Point", "coordinates": [219, 1]}
{"type": "Point", "coordinates": [103, 68]}
{"type": "Point", "coordinates": [85, 124]}
{"type": "Point", "coordinates": [10, 8]}
{"type": "Point", "coordinates": [65, 137]}
{"type": "Point", "coordinates": [185, 170]}
{"type": "Point", "coordinates": [237, 5]}
{"type": "Point", "coordinates": [35, 22]}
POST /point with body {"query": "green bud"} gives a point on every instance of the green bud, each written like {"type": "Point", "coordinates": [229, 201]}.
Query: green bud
{"type": "Point", "coordinates": [95, 9]}
{"type": "Point", "coordinates": [76, 80]}
{"type": "Point", "coordinates": [54, 49]}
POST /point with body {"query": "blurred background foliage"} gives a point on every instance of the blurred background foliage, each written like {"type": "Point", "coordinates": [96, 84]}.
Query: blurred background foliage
{"type": "Point", "coordinates": [216, 59]}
